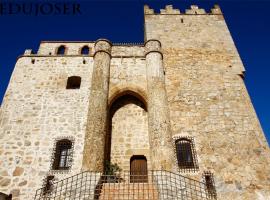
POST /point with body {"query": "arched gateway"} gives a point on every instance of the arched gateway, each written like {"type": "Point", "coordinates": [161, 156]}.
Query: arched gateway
{"type": "Point", "coordinates": [127, 133]}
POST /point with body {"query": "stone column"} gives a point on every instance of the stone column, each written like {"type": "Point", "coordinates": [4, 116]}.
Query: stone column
{"type": "Point", "coordinates": [158, 111]}
{"type": "Point", "coordinates": [93, 154]}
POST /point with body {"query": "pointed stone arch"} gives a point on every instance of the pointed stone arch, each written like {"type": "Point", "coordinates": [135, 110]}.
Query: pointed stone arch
{"type": "Point", "coordinates": [121, 90]}
{"type": "Point", "coordinates": [122, 100]}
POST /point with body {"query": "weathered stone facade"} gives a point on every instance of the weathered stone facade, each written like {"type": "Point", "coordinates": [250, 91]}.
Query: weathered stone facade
{"type": "Point", "coordinates": [129, 131]}
{"type": "Point", "coordinates": [136, 99]}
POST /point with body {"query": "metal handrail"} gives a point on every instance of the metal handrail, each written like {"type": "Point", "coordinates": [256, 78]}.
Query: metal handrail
{"type": "Point", "coordinates": [157, 184]}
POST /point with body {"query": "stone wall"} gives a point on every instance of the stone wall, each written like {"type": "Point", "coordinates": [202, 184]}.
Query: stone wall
{"type": "Point", "coordinates": [37, 110]}
{"type": "Point", "coordinates": [129, 131]}
{"type": "Point", "coordinates": [127, 74]}
{"type": "Point", "coordinates": [73, 48]}
{"type": "Point", "coordinates": [208, 101]}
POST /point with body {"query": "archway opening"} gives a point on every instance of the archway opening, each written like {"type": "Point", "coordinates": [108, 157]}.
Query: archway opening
{"type": "Point", "coordinates": [127, 130]}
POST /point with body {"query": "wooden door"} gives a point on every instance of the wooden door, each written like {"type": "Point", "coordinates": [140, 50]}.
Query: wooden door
{"type": "Point", "coordinates": [138, 169]}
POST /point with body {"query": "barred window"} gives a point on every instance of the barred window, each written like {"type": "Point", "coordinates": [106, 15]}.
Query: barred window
{"type": "Point", "coordinates": [63, 155]}
{"type": "Point", "coordinates": [186, 155]}
{"type": "Point", "coordinates": [73, 82]}
{"type": "Point", "coordinates": [210, 184]}
{"type": "Point", "coordinates": [85, 50]}
{"type": "Point", "coordinates": [61, 50]}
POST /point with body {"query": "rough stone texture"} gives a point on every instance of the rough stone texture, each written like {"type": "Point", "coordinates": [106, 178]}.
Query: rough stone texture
{"type": "Point", "coordinates": [18, 170]}
{"type": "Point", "coordinates": [202, 95]}
{"type": "Point", "coordinates": [128, 74]}
{"type": "Point", "coordinates": [159, 120]}
{"type": "Point", "coordinates": [97, 116]}
{"type": "Point", "coordinates": [37, 110]}
{"type": "Point", "coordinates": [72, 48]}
{"type": "Point", "coordinates": [208, 101]}
{"type": "Point", "coordinates": [129, 134]}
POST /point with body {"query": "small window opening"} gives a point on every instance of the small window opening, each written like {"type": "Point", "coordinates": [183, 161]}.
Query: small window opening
{"type": "Point", "coordinates": [33, 61]}
{"type": "Point", "coordinates": [186, 155]}
{"type": "Point", "coordinates": [62, 155]}
{"type": "Point", "coordinates": [73, 82]}
{"type": "Point", "coordinates": [210, 184]}
{"type": "Point", "coordinates": [85, 50]}
{"type": "Point", "coordinates": [84, 61]}
{"type": "Point", "coordinates": [50, 53]}
{"type": "Point", "coordinates": [61, 50]}
{"type": "Point", "coordinates": [182, 20]}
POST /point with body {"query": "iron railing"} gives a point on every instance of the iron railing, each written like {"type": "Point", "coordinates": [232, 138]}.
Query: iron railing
{"type": "Point", "coordinates": [156, 185]}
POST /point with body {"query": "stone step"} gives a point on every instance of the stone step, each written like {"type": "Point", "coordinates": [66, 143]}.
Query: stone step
{"type": "Point", "coordinates": [132, 191]}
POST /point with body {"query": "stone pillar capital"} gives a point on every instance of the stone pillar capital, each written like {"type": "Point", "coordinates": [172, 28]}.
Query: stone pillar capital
{"type": "Point", "coordinates": [153, 46]}
{"type": "Point", "coordinates": [103, 45]}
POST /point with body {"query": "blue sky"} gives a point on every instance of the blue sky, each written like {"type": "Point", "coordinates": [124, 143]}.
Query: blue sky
{"type": "Point", "coordinates": [122, 21]}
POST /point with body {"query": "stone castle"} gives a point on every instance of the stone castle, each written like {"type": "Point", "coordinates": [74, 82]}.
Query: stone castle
{"type": "Point", "coordinates": [171, 117]}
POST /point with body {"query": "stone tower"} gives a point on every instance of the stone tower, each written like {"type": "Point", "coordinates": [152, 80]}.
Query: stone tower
{"type": "Point", "coordinates": [175, 105]}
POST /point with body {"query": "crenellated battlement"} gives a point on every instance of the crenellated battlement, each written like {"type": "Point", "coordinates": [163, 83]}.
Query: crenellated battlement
{"type": "Point", "coordinates": [216, 10]}
{"type": "Point", "coordinates": [193, 10]}
{"type": "Point", "coordinates": [169, 10]}
{"type": "Point", "coordinates": [148, 10]}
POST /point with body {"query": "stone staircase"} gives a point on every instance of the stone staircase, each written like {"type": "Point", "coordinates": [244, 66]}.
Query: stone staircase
{"type": "Point", "coordinates": [125, 191]}
{"type": "Point", "coordinates": [156, 185]}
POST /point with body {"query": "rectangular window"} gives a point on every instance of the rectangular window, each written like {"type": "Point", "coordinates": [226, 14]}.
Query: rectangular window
{"type": "Point", "coordinates": [186, 154]}
{"type": "Point", "coordinates": [210, 184]}
{"type": "Point", "coordinates": [73, 82]}
{"type": "Point", "coordinates": [62, 155]}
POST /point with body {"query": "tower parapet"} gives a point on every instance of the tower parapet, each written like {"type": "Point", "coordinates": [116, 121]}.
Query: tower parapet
{"type": "Point", "coordinates": [169, 10]}
{"type": "Point", "coordinates": [28, 52]}
{"type": "Point", "coordinates": [216, 10]}
{"type": "Point", "coordinates": [148, 10]}
{"type": "Point", "coordinates": [193, 10]}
